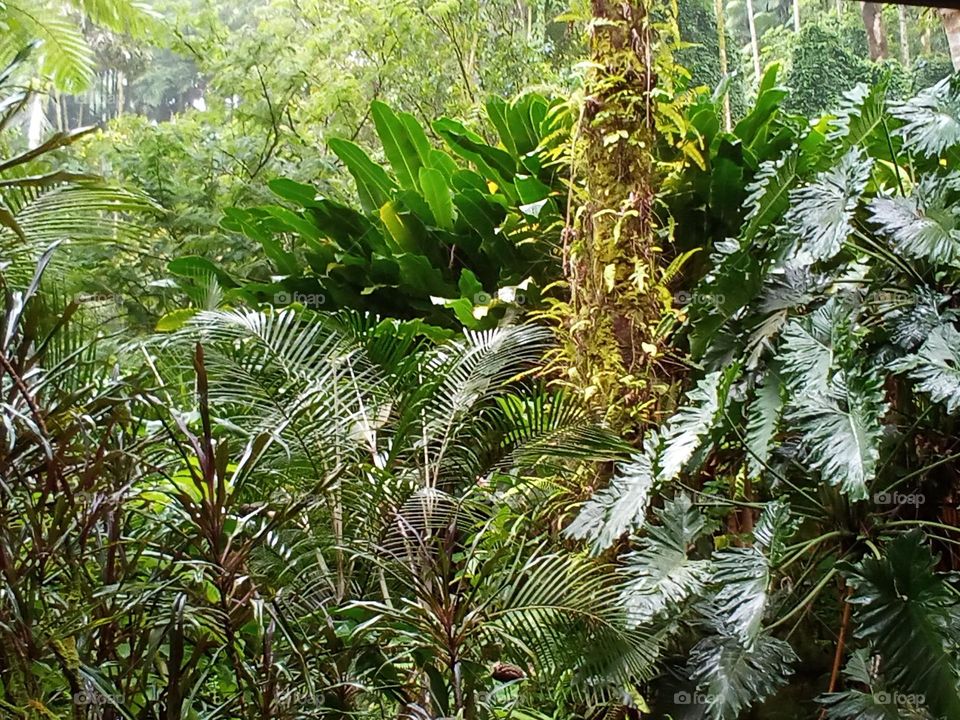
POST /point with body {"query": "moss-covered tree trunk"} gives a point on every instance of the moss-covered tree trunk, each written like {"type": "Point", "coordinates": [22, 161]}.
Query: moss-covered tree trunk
{"type": "Point", "coordinates": [614, 256]}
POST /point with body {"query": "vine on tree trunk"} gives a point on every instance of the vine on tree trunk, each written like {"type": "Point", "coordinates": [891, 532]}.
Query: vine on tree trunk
{"type": "Point", "coordinates": [620, 314]}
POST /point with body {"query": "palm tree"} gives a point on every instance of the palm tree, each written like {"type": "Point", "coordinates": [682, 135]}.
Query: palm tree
{"type": "Point", "coordinates": [380, 463]}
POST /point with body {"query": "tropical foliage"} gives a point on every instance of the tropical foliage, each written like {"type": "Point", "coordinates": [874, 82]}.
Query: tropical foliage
{"type": "Point", "coordinates": [635, 400]}
{"type": "Point", "coordinates": [825, 340]}
{"type": "Point", "coordinates": [461, 234]}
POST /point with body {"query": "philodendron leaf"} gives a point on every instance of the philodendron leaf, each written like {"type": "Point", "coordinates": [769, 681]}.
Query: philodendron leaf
{"type": "Point", "coordinates": [775, 526]}
{"type": "Point", "coordinates": [925, 225]}
{"type": "Point", "coordinates": [729, 677]}
{"type": "Point", "coordinates": [935, 367]}
{"type": "Point", "coordinates": [931, 119]}
{"type": "Point", "coordinates": [763, 419]}
{"type": "Point", "coordinates": [620, 507]}
{"type": "Point", "coordinates": [841, 431]}
{"type": "Point", "coordinates": [686, 431]}
{"type": "Point", "coordinates": [909, 614]}
{"type": "Point", "coordinates": [821, 213]}
{"type": "Point", "coordinates": [742, 576]}
{"type": "Point", "coordinates": [660, 574]}
{"type": "Point", "coordinates": [876, 702]}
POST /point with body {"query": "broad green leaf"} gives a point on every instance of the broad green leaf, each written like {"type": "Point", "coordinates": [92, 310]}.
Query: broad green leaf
{"type": "Point", "coordinates": [660, 575]}
{"type": "Point", "coordinates": [399, 147]}
{"type": "Point", "coordinates": [931, 118]}
{"type": "Point", "coordinates": [374, 186]}
{"type": "Point", "coordinates": [437, 194]}
{"type": "Point", "coordinates": [841, 431]}
{"type": "Point", "coordinates": [925, 225]}
{"type": "Point", "coordinates": [775, 526]}
{"type": "Point", "coordinates": [821, 213]}
{"type": "Point", "coordinates": [909, 614]}
{"type": "Point", "coordinates": [935, 367]}
{"type": "Point", "coordinates": [620, 507]}
{"type": "Point", "coordinates": [768, 195]}
{"type": "Point", "coordinates": [731, 678]}
{"type": "Point", "coordinates": [763, 419]}
{"type": "Point", "coordinates": [742, 578]}
{"type": "Point", "coordinates": [687, 429]}
{"type": "Point", "coordinates": [175, 319]}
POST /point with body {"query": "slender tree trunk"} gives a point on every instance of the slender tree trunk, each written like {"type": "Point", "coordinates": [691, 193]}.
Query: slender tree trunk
{"type": "Point", "coordinates": [754, 43]}
{"type": "Point", "coordinates": [951, 25]}
{"type": "Point", "coordinates": [904, 35]}
{"type": "Point", "coordinates": [724, 66]}
{"type": "Point", "coordinates": [873, 22]}
{"type": "Point", "coordinates": [796, 15]}
{"type": "Point", "coordinates": [610, 253]}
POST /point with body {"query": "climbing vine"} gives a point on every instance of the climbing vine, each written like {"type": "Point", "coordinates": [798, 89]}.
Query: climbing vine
{"type": "Point", "coordinates": [617, 254]}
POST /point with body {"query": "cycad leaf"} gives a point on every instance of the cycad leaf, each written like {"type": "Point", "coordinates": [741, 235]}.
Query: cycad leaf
{"type": "Point", "coordinates": [841, 431]}
{"type": "Point", "coordinates": [909, 615]}
{"type": "Point", "coordinates": [660, 574]}
{"type": "Point", "coordinates": [820, 213]}
{"type": "Point", "coordinates": [936, 367]}
{"type": "Point", "coordinates": [732, 677]}
{"type": "Point", "coordinates": [932, 118]}
{"type": "Point", "coordinates": [924, 225]}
